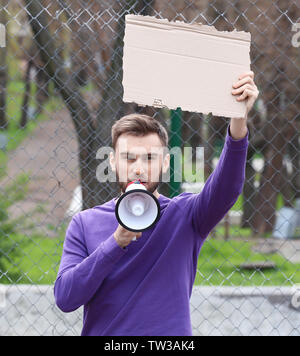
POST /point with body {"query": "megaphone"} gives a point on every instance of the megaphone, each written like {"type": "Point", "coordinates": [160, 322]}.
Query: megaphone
{"type": "Point", "coordinates": [137, 209]}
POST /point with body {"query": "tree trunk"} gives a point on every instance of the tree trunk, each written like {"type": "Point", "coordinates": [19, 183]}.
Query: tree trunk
{"type": "Point", "coordinates": [286, 183]}
{"type": "Point", "coordinates": [294, 153]}
{"type": "Point", "coordinates": [279, 91]}
{"type": "Point", "coordinates": [266, 199]}
{"type": "Point", "coordinates": [112, 106]}
{"type": "Point", "coordinates": [285, 187]}
{"type": "Point", "coordinates": [91, 136]}
{"type": "Point", "coordinates": [26, 97]}
{"type": "Point", "coordinates": [3, 73]}
{"type": "Point", "coordinates": [191, 128]}
{"type": "Point", "coordinates": [256, 142]}
{"type": "Point", "coordinates": [249, 191]}
{"type": "Point", "coordinates": [110, 110]}
{"type": "Point", "coordinates": [42, 89]}
{"type": "Point", "coordinates": [67, 89]}
{"type": "Point", "coordinates": [3, 84]}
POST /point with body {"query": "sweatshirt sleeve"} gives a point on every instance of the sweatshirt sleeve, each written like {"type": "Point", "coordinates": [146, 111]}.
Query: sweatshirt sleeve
{"type": "Point", "coordinates": [80, 274]}
{"type": "Point", "coordinates": [222, 189]}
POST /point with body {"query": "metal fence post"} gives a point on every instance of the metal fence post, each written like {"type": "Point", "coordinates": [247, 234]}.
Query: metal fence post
{"type": "Point", "coordinates": [175, 141]}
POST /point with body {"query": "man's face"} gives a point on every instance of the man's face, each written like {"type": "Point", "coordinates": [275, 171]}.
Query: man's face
{"type": "Point", "coordinates": [139, 157]}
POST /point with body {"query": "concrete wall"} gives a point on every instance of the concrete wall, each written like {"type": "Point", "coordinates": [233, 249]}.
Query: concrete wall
{"type": "Point", "coordinates": [30, 310]}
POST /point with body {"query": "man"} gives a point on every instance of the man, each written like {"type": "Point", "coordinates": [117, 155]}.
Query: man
{"type": "Point", "coordinates": [143, 287]}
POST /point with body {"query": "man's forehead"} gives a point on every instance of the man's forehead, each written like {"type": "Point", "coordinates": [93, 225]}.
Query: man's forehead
{"type": "Point", "coordinates": [139, 144]}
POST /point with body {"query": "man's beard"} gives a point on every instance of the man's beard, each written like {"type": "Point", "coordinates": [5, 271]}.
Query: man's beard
{"type": "Point", "coordinates": [151, 186]}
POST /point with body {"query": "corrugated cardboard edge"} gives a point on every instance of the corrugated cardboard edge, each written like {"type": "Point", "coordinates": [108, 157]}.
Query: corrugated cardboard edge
{"type": "Point", "coordinates": [192, 27]}
{"type": "Point", "coordinates": [2, 36]}
{"type": "Point", "coordinates": [158, 105]}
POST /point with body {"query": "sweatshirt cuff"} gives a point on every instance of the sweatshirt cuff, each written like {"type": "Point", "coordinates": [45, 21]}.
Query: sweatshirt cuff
{"type": "Point", "coordinates": [111, 249]}
{"type": "Point", "coordinates": [236, 144]}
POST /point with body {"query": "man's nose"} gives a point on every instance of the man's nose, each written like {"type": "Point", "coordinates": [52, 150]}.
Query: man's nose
{"type": "Point", "coordinates": [138, 169]}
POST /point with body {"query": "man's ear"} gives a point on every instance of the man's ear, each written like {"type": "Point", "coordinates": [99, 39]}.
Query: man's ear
{"type": "Point", "coordinates": [112, 161]}
{"type": "Point", "coordinates": [166, 163]}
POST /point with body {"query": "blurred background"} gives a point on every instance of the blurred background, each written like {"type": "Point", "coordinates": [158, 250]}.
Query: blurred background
{"type": "Point", "coordinates": [60, 93]}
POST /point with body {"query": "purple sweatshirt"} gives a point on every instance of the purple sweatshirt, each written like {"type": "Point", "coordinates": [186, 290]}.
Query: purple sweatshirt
{"type": "Point", "coordinates": [145, 288]}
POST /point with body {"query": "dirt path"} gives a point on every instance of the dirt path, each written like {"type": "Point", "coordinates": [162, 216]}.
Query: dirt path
{"type": "Point", "coordinates": [49, 156]}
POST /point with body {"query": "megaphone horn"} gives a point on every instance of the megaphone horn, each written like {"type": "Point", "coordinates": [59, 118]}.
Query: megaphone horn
{"type": "Point", "coordinates": [137, 209]}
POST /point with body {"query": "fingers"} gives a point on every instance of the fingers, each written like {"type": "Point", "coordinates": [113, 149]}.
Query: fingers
{"type": "Point", "coordinates": [124, 236]}
{"type": "Point", "coordinates": [246, 93]}
{"type": "Point", "coordinates": [247, 74]}
{"type": "Point", "coordinates": [245, 86]}
{"type": "Point", "coordinates": [241, 89]}
{"type": "Point", "coordinates": [243, 81]}
{"type": "Point", "coordinates": [244, 78]}
{"type": "Point", "coordinates": [138, 235]}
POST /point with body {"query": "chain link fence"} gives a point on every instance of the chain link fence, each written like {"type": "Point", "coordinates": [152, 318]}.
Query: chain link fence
{"type": "Point", "coordinates": [61, 92]}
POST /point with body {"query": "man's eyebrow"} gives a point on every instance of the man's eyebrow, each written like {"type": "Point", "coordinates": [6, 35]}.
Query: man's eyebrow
{"type": "Point", "coordinates": [127, 153]}
{"type": "Point", "coordinates": [153, 154]}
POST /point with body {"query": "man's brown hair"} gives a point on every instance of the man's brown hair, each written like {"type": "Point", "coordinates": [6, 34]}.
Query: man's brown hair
{"type": "Point", "coordinates": [138, 125]}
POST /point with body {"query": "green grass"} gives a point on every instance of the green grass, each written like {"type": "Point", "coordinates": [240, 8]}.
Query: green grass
{"type": "Point", "coordinates": [15, 135]}
{"type": "Point", "coordinates": [219, 264]}
{"type": "Point", "coordinates": [14, 104]}
{"type": "Point", "coordinates": [34, 260]}
{"type": "Point", "coordinates": [22, 256]}
{"type": "Point", "coordinates": [3, 162]}
{"type": "Point", "coordinates": [234, 232]}
{"type": "Point", "coordinates": [25, 257]}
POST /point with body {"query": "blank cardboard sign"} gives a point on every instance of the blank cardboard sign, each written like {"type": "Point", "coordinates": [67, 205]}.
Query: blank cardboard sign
{"type": "Point", "coordinates": [191, 66]}
{"type": "Point", "coordinates": [2, 36]}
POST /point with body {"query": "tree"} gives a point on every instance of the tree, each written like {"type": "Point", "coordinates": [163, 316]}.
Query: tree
{"type": "Point", "coordinates": [92, 133]}
{"type": "Point", "coordinates": [277, 67]}
{"type": "Point", "coordinates": [276, 64]}
{"type": "Point", "coordinates": [3, 71]}
{"type": "Point", "coordinates": [68, 89]}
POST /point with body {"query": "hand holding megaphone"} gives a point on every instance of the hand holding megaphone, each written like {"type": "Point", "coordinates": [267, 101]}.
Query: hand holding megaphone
{"type": "Point", "coordinates": [124, 237]}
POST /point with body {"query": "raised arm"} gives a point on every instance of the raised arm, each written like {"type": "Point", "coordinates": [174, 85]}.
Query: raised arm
{"type": "Point", "coordinates": [225, 184]}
